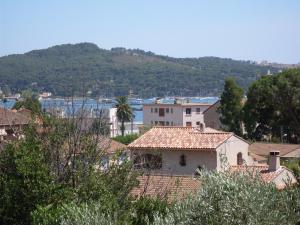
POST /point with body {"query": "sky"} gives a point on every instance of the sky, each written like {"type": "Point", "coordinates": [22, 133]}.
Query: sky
{"type": "Point", "coordinates": [239, 29]}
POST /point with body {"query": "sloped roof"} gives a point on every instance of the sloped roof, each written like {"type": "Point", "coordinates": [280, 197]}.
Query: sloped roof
{"type": "Point", "coordinates": [211, 106]}
{"type": "Point", "coordinates": [263, 149]}
{"type": "Point", "coordinates": [266, 175]}
{"type": "Point", "coordinates": [164, 186]}
{"type": "Point", "coordinates": [11, 118]}
{"type": "Point", "coordinates": [111, 146]}
{"type": "Point", "coordinates": [180, 138]}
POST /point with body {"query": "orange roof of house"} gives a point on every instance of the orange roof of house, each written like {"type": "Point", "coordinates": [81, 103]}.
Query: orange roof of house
{"type": "Point", "coordinates": [263, 149]}
{"type": "Point", "coordinates": [180, 138]}
{"type": "Point", "coordinates": [167, 187]}
{"type": "Point", "coordinates": [11, 118]}
{"type": "Point", "coordinates": [266, 175]}
{"type": "Point", "coordinates": [111, 146]}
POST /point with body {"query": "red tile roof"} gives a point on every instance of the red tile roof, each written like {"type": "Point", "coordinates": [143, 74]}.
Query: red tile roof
{"type": "Point", "coordinates": [266, 175]}
{"type": "Point", "coordinates": [263, 149]}
{"type": "Point", "coordinates": [180, 138]}
{"type": "Point", "coordinates": [167, 187]}
{"type": "Point", "coordinates": [11, 118]}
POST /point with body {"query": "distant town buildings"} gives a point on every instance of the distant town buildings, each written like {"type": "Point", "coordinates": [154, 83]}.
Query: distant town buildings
{"type": "Point", "coordinates": [179, 113]}
{"type": "Point", "coordinates": [45, 95]}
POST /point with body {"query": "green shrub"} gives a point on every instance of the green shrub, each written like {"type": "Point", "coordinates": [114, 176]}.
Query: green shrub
{"type": "Point", "coordinates": [236, 199]}
{"type": "Point", "coordinates": [126, 139]}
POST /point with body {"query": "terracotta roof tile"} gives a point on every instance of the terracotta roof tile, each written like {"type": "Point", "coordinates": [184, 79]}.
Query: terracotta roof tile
{"type": "Point", "coordinates": [10, 118]}
{"type": "Point", "coordinates": [263, 149]}
{"type": "Point", "coordinates": [266, 175]}
{"type": "Point", "coordinates": [180, 138]}
{"type": "Point", "coordinates": [168, 187]}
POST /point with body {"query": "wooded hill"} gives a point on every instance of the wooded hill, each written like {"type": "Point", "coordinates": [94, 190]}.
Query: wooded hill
{"type": "Point", "coordinates": [75, 69]}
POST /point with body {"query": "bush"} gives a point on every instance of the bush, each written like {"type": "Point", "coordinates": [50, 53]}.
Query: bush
{"type": "Point", "coordinates": [236, 199]}
{"type": "Point", "coordinates": [127, 139]}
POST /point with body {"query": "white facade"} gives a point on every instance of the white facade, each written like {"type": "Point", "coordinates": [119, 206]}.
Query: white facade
{"type": "Point", "coordinates": [179, 114]}
{"type": "Point", "coordinates": [208, 159]}
{"type": "Point", "coordinates": [130, 127]}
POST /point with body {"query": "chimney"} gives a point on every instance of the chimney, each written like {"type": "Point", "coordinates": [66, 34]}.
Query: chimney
{"type": "Point", "coordinates": [274, 160]}
{"type": "Point", "coordinates": [201, 127]}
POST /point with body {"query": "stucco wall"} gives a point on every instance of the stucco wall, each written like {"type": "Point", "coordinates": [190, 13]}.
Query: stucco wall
{"type": "Point", "coordinates": [149, 116]}
{"type": "Point", "coordinates": [194, 117]}
{"type": "Point", "coordinates": [211, 117]}
{"type": "Point", "coordinates": [282, 178]}
{"type": "Point", "coordinates": [194, 159]}
{"type": "Point", "coordinates": [178, 117]}
{"type": "Point", "coordinates": [230, 149]}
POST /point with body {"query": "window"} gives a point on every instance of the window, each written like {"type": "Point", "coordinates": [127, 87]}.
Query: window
{"type": "Point", "coordinates": [198, 123]}
{"type": "Point", "coordinates": [161, 112]}
{"type": "Point", "coordinates": [198, 110]}
{"type": "Point", "coordinates": [151, 122]}
{"type": "Point", "coordinates": [171, 110]}
{"type": "Point", "coordinates": [155, 110]}
{"type": "Point", "coordinates": [147, 161]}
{"type": "Point", "coordinates": [167, 110]}
{"type": "Point", "coordinates": [188, 124]}
{"type": "Point", "coordinates": [182, 160]}
{"type": "Point", "coordinates": [167, 123]}
{"type": "Point", "coordinates": [161, 123]}
{"type": "Point", "coordinates": [156, 122]}
{"type": "Point", "coordinates": [198, 170]}
{"type": "Point", "coordinates": [188, 111]}
{"type": "Point", "coordinates": [151, 110]}
{"type": "Point", "coordinates": [239, 159]}
{"type": "Point", "coordinates": [172, 123]}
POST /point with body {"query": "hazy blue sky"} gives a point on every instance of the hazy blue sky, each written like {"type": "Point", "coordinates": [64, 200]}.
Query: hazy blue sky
{"type": "Point", "coordinates": [239, 29]}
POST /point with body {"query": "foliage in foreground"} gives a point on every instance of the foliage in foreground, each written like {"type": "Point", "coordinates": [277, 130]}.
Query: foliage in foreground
{"type": "Point", "coordinates": [223, 199]}
{"type": "Point", "coordinates": [55, 167]}
{"type": "Point", "coordinates": [126, 139]}
{"type": "Point", "coordinates": [236, 199]}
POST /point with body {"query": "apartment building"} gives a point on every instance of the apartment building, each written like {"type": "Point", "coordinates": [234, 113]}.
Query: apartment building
{"type": "Point", "coordinates": [180, 113]}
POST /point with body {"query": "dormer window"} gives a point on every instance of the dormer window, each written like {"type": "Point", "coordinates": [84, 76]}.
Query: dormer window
{"type": "Point", "coordinates": [182, 160]}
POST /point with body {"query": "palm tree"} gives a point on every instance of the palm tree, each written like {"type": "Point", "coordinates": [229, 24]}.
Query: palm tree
{"type": "Point", "coordinates": [124, 112]}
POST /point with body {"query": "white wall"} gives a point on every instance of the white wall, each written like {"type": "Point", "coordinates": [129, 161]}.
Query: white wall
{"type": "Point", "coordinates": [231, 148]}
{"type": "Point", "coordinates": [130, 127]}
{"type": "Point", "coordinates": [175, 117]}
{"type": "Point", "coordinates": [283, 177]}
{"type": "Point", "coordinates": [194, 159]}
{"type": "Point", "coordinates": [194, 117]}
{"type": "Point", "coordinates": [178, 117]}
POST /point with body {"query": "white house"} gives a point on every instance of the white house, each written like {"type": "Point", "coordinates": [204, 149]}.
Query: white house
{"type": "Point", "coordinates": [180, 113]}
{"type": "Point", "coordinates": [180, 151]}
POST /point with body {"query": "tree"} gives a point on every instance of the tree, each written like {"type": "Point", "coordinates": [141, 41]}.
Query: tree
{"type": "Point", "coordinates": [235, 198]}
{"type": "Point", "coordinates": [272, 108]}
{"type": "Point", "coordinates": [231, 106]}
{"type": "Point", "coordinates": [124, 112]}
{"type": "Point", "coordinates": [25, 181]}
{"type": "Point", "coordinates": [29, 101]}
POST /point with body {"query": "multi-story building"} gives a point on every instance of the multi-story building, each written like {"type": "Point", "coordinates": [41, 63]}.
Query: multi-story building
{"type": "Point", "coordinates": [180, 113]}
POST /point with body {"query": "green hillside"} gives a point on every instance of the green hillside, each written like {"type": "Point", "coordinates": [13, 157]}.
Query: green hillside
{"type": "Point", "coordinates": [75, 69]}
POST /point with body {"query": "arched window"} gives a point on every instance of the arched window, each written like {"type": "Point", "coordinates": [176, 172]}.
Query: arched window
{"type": "Point", "coordinates": [239, 159]}
{"type": "Point", "coordinates": [182, 161]}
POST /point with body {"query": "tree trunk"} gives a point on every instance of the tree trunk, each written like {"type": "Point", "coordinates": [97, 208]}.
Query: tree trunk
{"type": "Point", "coordinates": [122, 127]}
